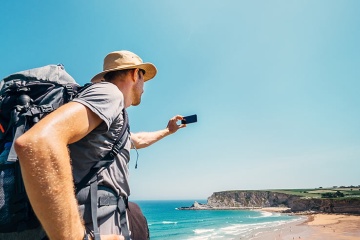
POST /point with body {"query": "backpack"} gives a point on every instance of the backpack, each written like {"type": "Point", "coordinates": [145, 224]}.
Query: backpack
{"type": "Point", "coordinates": [25, 98]}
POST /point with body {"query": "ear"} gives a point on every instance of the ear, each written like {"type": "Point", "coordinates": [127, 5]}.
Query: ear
{"type": "Point", "coordinates": [135, 74]}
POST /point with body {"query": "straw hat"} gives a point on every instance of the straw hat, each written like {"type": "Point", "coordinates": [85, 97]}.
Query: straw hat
{"type": "Point", "coordinates": [120, 60]}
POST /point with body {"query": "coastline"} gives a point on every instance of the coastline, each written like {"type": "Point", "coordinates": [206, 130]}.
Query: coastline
{"type": "Point", "coordinates": [312, 226]}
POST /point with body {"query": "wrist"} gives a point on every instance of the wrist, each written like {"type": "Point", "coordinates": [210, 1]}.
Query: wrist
{"type": "Point", "coordinates": [168, 132]}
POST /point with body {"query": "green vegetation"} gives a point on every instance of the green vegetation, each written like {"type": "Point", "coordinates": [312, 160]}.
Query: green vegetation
{"type": "Point", "coordinates": [337, 194]}
{"type": "Point", "coordinates": [298, 192]}
{"type": "Point", "coordinates": [321, 192]}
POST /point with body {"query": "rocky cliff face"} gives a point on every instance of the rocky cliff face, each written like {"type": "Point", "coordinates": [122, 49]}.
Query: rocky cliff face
{"type": "Point", "coordinates": [249, 199]}
{"type": "Point", "coordinates": [343, 205]}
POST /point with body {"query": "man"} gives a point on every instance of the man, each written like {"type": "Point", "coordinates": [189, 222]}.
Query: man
{"type": "Point", "coordinates": [88, 127]}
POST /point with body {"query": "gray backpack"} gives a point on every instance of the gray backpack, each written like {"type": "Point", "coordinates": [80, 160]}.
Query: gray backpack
{"type": "Point", "coordinates": [25, 98]}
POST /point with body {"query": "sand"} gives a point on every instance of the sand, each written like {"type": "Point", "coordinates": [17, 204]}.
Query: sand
{"type": "Point", "coordinates": [314, 227]}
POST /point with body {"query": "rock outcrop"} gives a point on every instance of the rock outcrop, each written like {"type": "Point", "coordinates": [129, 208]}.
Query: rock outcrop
{"type": "Point", "coordinates": [343, 205]}
{"type": "Point", "coordinates": [260, 199]}
{"type": "Point", "coordinates": [196, 206]}
{"type": "Point", "coordinates": [249, 199]}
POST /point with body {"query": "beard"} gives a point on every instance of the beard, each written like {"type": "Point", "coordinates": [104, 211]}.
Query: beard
{"type": "Point", "coordinates": [137, 93]}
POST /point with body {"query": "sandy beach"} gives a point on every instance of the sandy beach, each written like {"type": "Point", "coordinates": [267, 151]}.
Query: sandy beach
{"type": "Point", "coordinates": [314, 227]}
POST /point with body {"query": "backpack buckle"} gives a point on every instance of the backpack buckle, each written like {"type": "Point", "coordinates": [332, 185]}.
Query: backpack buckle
{"type": "Point", "coordinates": [116, 148]}
{"type": "Point", "coordinates": [70, 91]}
{"type": "Point", "coordinates": [46, 108]}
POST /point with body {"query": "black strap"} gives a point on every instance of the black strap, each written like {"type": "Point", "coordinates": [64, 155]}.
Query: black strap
{"type": "Point", "coordinates": [109, 157]}
{"type": "Point", "coordinates": [106, 197]}
{"type": "Point", "coordinates": [20, 129]}
{"type": "Point", "coordinates": [40, 109]}
{"type": "Point", "coordinates": [120, 142]}
{"type": "Point", "coordinates": [93, 199]}
{"type": "Point", "coordinates": [123, 223]}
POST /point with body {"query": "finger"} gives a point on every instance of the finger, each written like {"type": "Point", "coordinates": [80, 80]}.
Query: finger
{"type": "Point", "coordinates": [178, 117]}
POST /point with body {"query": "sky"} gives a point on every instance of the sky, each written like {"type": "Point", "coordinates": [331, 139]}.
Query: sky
{"type": "Point", "coordinates": [275, 85]}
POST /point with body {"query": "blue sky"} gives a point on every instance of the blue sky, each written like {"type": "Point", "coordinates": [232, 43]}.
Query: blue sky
{"type": "Point", "coordinates": [275, 85]}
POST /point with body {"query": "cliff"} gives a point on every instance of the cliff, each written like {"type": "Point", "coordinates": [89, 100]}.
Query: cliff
{"type": "Point", "coordinates": [256, 199]}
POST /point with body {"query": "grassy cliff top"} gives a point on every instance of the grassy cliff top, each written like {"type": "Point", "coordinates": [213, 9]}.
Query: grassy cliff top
{"type": "Point", "coordinates": [353, 191]}
{"type": "Point", "coordinates": [319, 192]}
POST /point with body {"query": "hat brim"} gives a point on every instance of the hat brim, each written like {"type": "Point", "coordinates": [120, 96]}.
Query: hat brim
{"type": "Point", "coordinates": [149, 68]}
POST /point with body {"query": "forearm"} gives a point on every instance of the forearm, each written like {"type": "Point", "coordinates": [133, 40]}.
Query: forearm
{"type": "Point", "coordinates": [145, 139]}
{"type": "Point", "coordinates": [47, 175]}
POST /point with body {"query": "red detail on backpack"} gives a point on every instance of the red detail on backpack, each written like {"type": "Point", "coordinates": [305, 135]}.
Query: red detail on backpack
{"type": "Point", "coordinates": [2, 128]}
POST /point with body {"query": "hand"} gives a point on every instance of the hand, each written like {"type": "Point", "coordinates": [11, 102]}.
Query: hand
{"type": "Point", "coordinates": [173, 126]}
{"type": "Point", "coordinates": [112, 237]}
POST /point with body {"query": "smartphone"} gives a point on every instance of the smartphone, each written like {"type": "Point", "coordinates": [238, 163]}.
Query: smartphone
{"type": "Point", "coordinates": [189, 119]}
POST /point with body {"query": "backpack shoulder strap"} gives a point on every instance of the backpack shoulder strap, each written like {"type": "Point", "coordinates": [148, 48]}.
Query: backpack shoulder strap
{"type": "Point", "coordinates": [110, 156]}
{"type": "Point", "coordinates": [120, 141]}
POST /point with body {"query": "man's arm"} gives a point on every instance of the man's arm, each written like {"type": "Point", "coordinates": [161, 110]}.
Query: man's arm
{"type": "Point", "coordinates": [46, 168]}
{"type": "Point", "coordinates": [145, 139]}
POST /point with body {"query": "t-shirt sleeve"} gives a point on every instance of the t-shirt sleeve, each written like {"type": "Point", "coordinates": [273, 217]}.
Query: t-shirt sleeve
{"type": "Point", "coordinates": [104, 99]}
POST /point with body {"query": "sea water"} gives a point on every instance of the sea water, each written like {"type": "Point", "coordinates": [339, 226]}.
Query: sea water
{"type": "Point", "coordinates": [167, 222]}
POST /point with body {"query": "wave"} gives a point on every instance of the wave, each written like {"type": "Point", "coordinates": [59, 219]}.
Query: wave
{"type": "Point", "coordinates": [169, 222]}
{"type": "Point", "coordinates": [264, 214]}
{"type": "Point", "coordinates": [245, 229]}
{"type": "Point", "coordinates": [205, 234]}
{"type": "Point", "coordinates": [205, 237]}
{"type": "Point", "coordinates": [233, 231]}
{"type": "Point", "coordinates": [162, 223]}
{"type": "Point", "coordinates": [201, 231]}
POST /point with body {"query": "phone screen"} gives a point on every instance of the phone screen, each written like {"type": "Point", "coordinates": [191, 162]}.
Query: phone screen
{"type": "Point", "coordinates": [189, 119]}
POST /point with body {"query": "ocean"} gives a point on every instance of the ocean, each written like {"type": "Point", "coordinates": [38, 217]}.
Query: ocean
{"type": "Point", "coordinates": [166, 222]}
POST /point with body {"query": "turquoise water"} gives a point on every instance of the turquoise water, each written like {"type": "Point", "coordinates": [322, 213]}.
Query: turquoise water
{"type": "Point", "coordinates": [166, 222]}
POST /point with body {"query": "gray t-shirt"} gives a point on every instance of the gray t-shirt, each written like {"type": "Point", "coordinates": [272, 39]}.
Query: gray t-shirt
{"type": "Point", "coordinates": [106, 101]}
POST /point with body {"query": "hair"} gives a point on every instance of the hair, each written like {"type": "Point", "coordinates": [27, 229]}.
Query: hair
{"type": "Point", "coordinates": [110, 76]}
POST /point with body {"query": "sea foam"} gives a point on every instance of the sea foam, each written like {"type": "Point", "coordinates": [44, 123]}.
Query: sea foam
{"type": "Point", "coordinates": [168, 222]}
{"type": "Point", "coordinates": [201, 231]}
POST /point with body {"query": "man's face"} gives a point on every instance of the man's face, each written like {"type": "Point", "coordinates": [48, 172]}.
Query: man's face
{"type": "Point", "coordinates": [138, 88]}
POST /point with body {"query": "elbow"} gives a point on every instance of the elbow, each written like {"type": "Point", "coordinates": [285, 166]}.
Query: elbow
{"type": "Point", "coordinates": [141, 145]}
{"type": "Point", "coordinates": [22, 145]}
{"type": "Point", "coordinates": [27, 145]}
{"type": "Point", "coordinates": [136, 145]}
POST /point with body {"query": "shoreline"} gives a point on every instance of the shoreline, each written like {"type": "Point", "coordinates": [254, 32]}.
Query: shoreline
{"type": "Point", "coordinates": [311, 226]}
